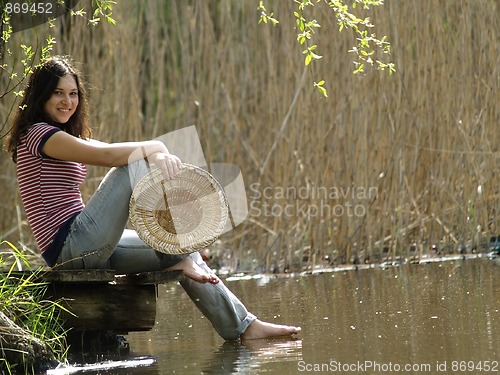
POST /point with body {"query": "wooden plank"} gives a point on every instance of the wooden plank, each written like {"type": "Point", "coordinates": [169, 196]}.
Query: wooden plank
{"type": "Point", "coordinates": [102, 277]}
{"type": "Point", "coordinates": [147, 278]}
{"type": "Point", "coordinates": [78, 276]}
{"type": "Point", "coordinates": [66, 276]}
{"type": "Point", "coordinates": [120, 308]}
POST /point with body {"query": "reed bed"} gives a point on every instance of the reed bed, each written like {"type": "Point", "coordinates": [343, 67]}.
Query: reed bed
{"type": "Point", "coordinates": [385, 167]}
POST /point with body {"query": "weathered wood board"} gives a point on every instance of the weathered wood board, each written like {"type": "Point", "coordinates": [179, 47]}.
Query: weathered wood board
{"type": "Point", "coordinates": [101, 307]}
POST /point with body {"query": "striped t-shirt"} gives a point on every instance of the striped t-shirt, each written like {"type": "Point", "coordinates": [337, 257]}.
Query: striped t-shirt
{"type": "Point", "coordinates": [50, 188]}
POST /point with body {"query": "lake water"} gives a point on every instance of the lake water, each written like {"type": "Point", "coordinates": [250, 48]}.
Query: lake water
{"type": "Point", "coordinates": [433, 318]}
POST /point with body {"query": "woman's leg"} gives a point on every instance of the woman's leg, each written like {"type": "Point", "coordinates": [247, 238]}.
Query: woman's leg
{"type": "Point", "coordinates": [226, 312]}
{"type": "Point", "coordinates": [228, 315]}
{"type": "Point", "coordinates": [97, 230]}
{"type": "Point", "coordinates": [132, 255]}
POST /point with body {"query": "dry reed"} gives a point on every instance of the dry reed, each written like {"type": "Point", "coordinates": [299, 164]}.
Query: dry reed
{"type": "Point", "coordinates": [423, 140]}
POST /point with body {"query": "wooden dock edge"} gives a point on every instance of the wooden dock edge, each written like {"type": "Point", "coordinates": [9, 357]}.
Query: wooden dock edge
{"type": "Point", "coordinates": [99, 300]}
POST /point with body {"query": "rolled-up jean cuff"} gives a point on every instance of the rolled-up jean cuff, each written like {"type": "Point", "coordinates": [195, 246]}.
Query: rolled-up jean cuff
{"type": "Point", "coordinates": [245, 323]}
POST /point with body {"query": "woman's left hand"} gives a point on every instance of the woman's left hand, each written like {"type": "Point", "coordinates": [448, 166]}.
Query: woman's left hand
{"type": "Point", "coordinates": [169, 164]}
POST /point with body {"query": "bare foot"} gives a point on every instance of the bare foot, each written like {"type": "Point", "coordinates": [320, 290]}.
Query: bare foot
{"type": "Point", "coordinates": [262, 330]}
{"type": "Point", "coordinates": [194, 272]}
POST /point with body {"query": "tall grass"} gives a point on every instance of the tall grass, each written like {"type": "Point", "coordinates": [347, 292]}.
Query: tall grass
{"type": "Point", "coordinates": [23, 302]}
{"type": "Point", "coordinates": [423, 140]}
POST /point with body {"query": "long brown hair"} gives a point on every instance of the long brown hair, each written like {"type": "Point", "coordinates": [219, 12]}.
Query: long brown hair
{"type": "Point", "coordinates": [42, 83]}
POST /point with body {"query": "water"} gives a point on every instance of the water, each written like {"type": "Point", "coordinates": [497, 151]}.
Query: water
{"type": "Point", "coordinates": [431, 318]}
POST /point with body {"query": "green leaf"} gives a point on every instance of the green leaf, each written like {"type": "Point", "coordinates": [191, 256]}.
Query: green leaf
{"type": "Point", "coordinates": [322, 90]}
{"type": "Point", "coordinates": [308, 59]}
{"type": "Point", "coordinates": [360, 69]}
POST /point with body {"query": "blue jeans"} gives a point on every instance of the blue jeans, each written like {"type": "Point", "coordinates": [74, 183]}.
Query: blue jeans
{"type": "Point", "coordinates": [98, 240]}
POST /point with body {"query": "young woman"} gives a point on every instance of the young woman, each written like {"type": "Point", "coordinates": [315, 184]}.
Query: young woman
{"type": "Point", "coordinates": [51, 143]}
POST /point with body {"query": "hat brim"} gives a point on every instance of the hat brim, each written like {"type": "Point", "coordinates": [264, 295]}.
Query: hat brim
{"type": "Point", "coordinates": [179, 216]}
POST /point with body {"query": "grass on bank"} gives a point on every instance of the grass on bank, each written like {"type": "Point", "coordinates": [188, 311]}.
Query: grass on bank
{"type": "Point", "coordinates": [22, 300]}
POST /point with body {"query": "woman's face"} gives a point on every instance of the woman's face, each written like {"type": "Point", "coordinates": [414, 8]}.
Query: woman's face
{"type": "Point", "coordinates": [63, 101]}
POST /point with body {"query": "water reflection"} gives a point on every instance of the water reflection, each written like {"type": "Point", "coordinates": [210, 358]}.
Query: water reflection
{"type": "Point", "coordinates": [409, 315]}
{"type": "Point", "coordinates": [248, 357]}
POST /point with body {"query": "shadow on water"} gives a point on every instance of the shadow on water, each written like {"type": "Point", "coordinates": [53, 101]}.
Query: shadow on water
{"type": "Point", "coordinates": [411, 319]}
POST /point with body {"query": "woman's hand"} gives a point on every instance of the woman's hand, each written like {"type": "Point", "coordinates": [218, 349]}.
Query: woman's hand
{"type": "Point", "coordinates": [169, 164]}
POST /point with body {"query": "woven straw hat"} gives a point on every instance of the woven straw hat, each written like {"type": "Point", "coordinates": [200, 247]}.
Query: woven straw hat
{"type": "Point", "coordinates": [179, 216]}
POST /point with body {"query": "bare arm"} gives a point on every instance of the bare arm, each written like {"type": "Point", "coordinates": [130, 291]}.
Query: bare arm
{"type": "Point", "coordinates": [64, 146]}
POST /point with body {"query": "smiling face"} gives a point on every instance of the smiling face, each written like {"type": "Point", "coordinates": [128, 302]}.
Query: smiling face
{"type": "Point", "coordinates": [64, 100]}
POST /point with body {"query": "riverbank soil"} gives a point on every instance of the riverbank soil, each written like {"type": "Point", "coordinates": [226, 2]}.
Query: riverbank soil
{"type": "Point", "coordinates": [18, 346]}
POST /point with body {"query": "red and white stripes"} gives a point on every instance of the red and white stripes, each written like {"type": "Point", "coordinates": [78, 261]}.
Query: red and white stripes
{"type": "Point", "coordinates": [50, 188]}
